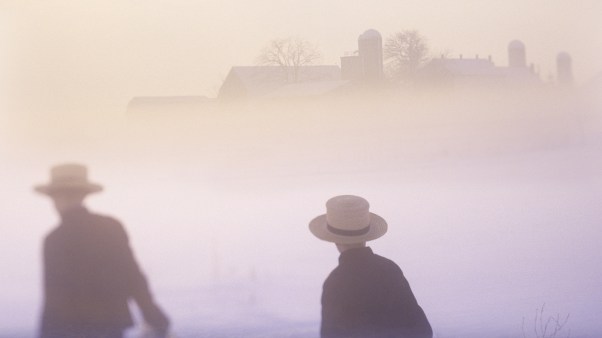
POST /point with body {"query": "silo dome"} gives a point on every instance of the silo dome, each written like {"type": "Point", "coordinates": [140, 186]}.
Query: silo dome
{"type": "Point", "coordinates": [516, 54]}
{"type": "Point", "coordinates": [370, 34]}
{"type": "Point", "coordinates": [516, 44]}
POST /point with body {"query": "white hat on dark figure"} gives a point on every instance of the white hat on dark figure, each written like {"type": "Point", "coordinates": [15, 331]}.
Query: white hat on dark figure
{"type": "Point", "coordinates": [68, 177]}
{"type": "Point", "coordinates": [347, 221]}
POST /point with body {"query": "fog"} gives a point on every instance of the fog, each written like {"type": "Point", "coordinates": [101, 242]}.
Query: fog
{"type": "Point", "coordinates": [491, 194]}
{"type": "Point", "coordinates": [491, 197]}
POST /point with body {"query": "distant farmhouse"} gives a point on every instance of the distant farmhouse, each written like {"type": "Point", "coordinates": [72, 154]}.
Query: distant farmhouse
{"type": "Point", "coordinates": [479, 71]}
{"type": "Point", "coordinates": [366, 67]}
{"type": "Point", "coordinates": [361, 68]}
{"type": "Point", "coordinates": [314, 80]}
{"type": "Point", "coordinates": [273, 82]}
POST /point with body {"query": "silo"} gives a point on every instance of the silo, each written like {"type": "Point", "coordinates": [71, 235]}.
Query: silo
{"type": "Point", "coordinates": [370, 45]}
{"type": "Point", "coordinates": [564, 72]}
{"type": "Point", "coordinates": [516, 54]}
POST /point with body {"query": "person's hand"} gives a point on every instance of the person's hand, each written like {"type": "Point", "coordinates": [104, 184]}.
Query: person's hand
{"type": "Point", "coordinates": [156, 320]}
{"type": "Point", "coordinates": [148, 331]}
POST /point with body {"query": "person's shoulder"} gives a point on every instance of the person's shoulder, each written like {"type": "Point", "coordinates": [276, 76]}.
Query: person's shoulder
{"type": "Point", "coordinates": [334, 277]}
{"type": "Point", "coordinates": [386, 262]}
{"type": "Point", "coordinates": [384, 259]}
{"type": "Point", "coordinates": [105, 219]}
{"type": "Point", "coordinates": [107, 223]}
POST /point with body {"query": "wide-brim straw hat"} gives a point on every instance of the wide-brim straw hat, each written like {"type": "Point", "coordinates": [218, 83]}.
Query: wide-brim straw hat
{"type": "Point", "coordinates": [68, 177]}
{"type": "Point", "coordinates": [347, 221]}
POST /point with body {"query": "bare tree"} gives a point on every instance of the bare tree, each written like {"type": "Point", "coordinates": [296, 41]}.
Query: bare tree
{"type": "Point", "coordinates": [289, 53]}
{"type": "Point", "coordinates": [405, 52]}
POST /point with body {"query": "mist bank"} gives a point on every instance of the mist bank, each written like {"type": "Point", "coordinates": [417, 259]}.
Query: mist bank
{"type": "Point", "coordinates": [368, 130]}
{"type": "Point", "coordinates": [491, 198]}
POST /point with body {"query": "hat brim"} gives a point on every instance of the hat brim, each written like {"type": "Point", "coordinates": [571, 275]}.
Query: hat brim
{"type": "Point", "coordinates": [319, 227]}
{"type": "Point", "coordinates": [51, 189]}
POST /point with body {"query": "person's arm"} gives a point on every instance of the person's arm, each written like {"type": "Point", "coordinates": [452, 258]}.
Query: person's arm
{"type": "Point", "coordinates": [137, 286]}
{"type": "Point", "coordinates": [333, 321]}
{"type": "Point", "coordinates": [54, 285]}
{"type": "Point", "coordinates": [407, 311]}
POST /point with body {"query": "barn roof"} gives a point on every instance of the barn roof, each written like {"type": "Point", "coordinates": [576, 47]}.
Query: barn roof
{"type": "Point", "coordinates": [256, 81]}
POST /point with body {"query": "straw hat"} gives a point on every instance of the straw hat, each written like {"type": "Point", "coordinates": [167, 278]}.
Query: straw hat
{"type": "Point", "coordinates": [68, 177]}
{"type": "Point", "coordinates": [347, 221]}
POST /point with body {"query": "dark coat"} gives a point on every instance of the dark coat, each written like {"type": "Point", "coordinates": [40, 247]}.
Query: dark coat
{"type": "Point", "coordinates": [89, 275]}
{"type": "Point", "coordinates": [366, 295]}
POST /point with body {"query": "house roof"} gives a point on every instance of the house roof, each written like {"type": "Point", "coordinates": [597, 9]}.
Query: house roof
{"type": "Point", "coordinates": [478, 68]}
{"type": "Point", "coordinates": [465, 67]}
{"type": "Point", "coordinates": [255, 81]}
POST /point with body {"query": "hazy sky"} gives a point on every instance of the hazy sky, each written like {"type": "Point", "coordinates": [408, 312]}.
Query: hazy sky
{"type": "Point", "coordinates": [71, 55]}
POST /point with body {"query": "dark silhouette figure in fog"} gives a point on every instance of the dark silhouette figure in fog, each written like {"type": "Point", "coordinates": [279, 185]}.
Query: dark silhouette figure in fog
{"type": "Point", "coordinates": [89, 269]}
{"type": "Point", "coordinates": [366, 295]}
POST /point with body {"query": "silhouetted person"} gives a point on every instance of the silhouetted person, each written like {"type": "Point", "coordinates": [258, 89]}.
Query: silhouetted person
{"type": "Point", "coordinates": [366, 295]}
{"type": "Point", "coordinates": [89, 269]}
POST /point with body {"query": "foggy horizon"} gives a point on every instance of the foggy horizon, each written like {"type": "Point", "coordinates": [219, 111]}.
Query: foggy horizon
{"type": "Point", "coordinates": [154, 49]}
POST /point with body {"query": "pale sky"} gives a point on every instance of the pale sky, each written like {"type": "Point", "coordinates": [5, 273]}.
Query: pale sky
{"type": "Point", "coordinates": [71, 55]}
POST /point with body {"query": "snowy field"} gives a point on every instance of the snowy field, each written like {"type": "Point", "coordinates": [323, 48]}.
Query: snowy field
{"type": "Point", "coordinates": [493, 210]}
